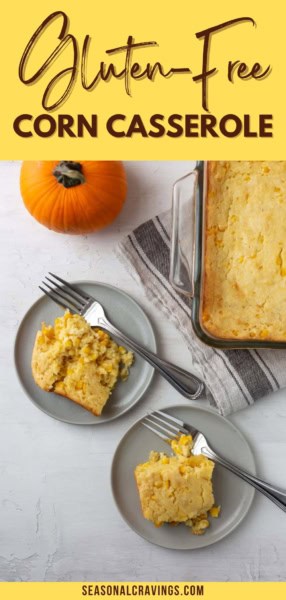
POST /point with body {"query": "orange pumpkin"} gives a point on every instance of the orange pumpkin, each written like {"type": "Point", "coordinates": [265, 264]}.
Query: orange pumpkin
{"type": "Point", "coordinates": [73, 196]}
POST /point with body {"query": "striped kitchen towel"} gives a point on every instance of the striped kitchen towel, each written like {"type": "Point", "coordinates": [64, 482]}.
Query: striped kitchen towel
{"type": "Point", "coordinates": [234, 379]}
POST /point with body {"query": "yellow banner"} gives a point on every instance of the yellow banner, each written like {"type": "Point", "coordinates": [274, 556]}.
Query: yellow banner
{"type": "Point", "coordinates": [155, 590]}
{"type": "Point", "coordinates": [162, 81]}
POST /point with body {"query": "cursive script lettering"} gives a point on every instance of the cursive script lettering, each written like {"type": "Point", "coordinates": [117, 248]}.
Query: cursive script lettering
{"type": "Point", "coordinates": [206, 35]}
{"type": "Point", "coordinates": [105, 72]}
{"type": "Point", "coordinates": [129, 69]}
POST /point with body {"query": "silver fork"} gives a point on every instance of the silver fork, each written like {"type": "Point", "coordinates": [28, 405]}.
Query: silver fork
{"type": "Point", "coordinates": [168, 427]}
{"type": "Point", "coordinates": [76, 300]}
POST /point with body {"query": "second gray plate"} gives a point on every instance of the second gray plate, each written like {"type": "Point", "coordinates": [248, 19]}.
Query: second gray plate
{"type": "Point", "coordinates": [127, 315]}
{"type": "Point", "coordinates": [234, 495]}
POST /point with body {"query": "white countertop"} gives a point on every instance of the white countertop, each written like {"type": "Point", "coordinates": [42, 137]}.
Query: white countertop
{"type": "Point", "coordinates": [58, 520]}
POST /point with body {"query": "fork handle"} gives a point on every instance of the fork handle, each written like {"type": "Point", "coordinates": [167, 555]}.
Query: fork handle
{"type": "Point", "coordinates": [277, 495]}
{"type": "Point", "coordinates": [184, 382]}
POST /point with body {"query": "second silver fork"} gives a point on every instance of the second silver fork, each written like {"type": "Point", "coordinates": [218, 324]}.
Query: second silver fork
{"type": "Point", "coordinates": [76, 300]}
{"type": "Point", "coordinates": [168, 427]}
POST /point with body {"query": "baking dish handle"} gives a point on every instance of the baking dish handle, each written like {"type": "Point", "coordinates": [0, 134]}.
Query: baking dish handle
{"type": "Point", "coordinates": [183, 233]}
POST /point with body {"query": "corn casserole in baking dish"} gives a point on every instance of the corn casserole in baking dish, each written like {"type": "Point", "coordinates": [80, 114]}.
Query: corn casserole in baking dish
{"type": "Point", "coordinates": [243, 294]}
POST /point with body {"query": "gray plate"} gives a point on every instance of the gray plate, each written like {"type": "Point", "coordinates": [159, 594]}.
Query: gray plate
{"type": "Point", "coordinates": [234, 496]}
{"type": "Point", "coordinates": [127, 316]}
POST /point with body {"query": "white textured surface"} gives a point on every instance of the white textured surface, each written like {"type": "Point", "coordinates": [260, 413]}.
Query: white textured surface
{"type": "Point", "coordinates": [58, 520]}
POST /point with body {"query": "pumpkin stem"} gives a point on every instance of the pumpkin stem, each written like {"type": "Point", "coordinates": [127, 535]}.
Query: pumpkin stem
{"type": "Point", "coordinates": [69, 173]}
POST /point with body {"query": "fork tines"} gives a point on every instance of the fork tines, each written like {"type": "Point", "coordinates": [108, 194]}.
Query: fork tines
{"type": "Point", "coordinates": [164, 425]}
{"type": "Point", "coordinates": [66, 295]}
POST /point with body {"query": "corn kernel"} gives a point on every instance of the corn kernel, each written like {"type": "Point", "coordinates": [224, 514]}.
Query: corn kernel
{"type": "Point", "coordinates": [108, 367]}
{"type": "Point", "coordinates": [158, 484]}
{"type": "Point", "coordinates": [185, 439]}
{"type": "Point", "coordinates": [214, 511]}
{"type": "Point", "coordinates": [100, 334]}
{"type": "Point", "coordinates": [264, 333]}
{"type": "Point", "coordinates": [203, 524]}
{"type": "Point", "coordinates": [48, 332]}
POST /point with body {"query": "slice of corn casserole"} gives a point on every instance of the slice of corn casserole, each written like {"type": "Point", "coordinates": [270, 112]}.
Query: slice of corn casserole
{"type": "Point", "coordinates": [176, 489]}
{"type": "Point", "coordinates": [79, 362]}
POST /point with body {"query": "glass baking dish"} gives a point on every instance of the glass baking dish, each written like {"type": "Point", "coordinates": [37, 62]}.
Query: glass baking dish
{"type": "Point", "coordinates": [187, 255]}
